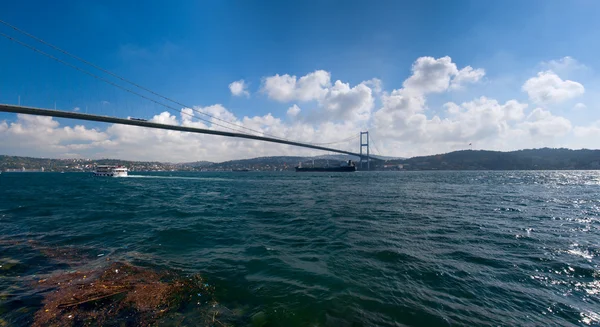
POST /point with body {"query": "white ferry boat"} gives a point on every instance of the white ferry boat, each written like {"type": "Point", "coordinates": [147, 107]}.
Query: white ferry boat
{"type": "Point", "coordinates": [110, 171]}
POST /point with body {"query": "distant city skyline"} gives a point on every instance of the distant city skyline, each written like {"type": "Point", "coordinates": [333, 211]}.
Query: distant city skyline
{"type": "Point", "coordinates": [424, 78]}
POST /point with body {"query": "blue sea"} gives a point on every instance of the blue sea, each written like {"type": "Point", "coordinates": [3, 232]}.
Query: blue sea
{"type": "Point", "coordinates": [480, 248]}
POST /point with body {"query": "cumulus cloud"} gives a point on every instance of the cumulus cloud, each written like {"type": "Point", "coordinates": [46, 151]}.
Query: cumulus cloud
{"type": "Point", "coordinates": [399, 119]}
{"type": "Point", "coordinates": [489, 123]}
{"type": "Point", "coordinates": [475, 120]}
{"type": "Point", "coordinates": [465, 76]}
{"type": "Point", "coordinates": [375, 84]}
{"type": "Point", "coordinates": [402, 115]}
{"type": "Point", "coordinates": [338, 101]}
{"type": "Point", "coordinates": [547, 87]}
{"type": "Point", "coordinates": [564, 65]}
{"type": "Point", "coordinates": [579, 106]}
{"type": "Point", "coordinates": [285, 88]}
{"type": "Point", "coordinates": [430, 75]}
{"type": "Point", "coordinates": [591, 133]}
{"type": "Point", "coordinates": [76, 109]}
{"type": "Point", "coordinates": [239, 88]}
{"type": "Point", "coordinates": [43, 136]}
{"type": "Point", "coordinates": [348, 103]}
{"type": "Point", "coordinates": [402, 119]}
{"type": "Point", "coordinates": [541, 123]}
{"type": "Point", "coordinates": [293, 111]}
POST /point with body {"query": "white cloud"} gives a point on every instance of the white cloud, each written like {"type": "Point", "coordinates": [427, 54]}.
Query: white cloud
{"type": "Point", "coordinates": [475, 120]}
{"type": "Point", "coordinates": [403, 123]}
{"type": "Point", "coordinates": [285, 88]}
{"type": "Point", "coordinates": [345, 103]}
{"type": "Point", "coordinates": [399, 119]}
{"type": "Point", "coordinates": [547, 87]}
{"type": "Point", "coordinates": [564, 65]}
{"type": "Point", "coordinates": [586, 136]}
{"type": "Point", "coordinates": [579, 106]}
{"type": "Point", "coordinates": [239, 88]}
{"type": "Point", "coordinates": [375, 84]}
{"type": "Point", "coordinates": [431, 75]}
{"type": "Point", "coordinates": [339, 101]}
{"type": "Point", "coordinates": [402, 115]}
{"type": "Point", "coordinates": [486, 122]}
{"type": "Point", "coordinates": [293, 111]}
{"type": "Point", "coordinates": [541, 123]}
{"type": "Point", "coordinates": [178, 146]}
{"type": "Point", "coordinates": [590, 133]}
{"type": "Point", "coordinates": [402, 118]}
{"type": "Point", "coordinates": [43, 136]}
{"type": "Point", "coordinates": [465, 76]}
{"type": "Point", "coordinates": [76, 109]}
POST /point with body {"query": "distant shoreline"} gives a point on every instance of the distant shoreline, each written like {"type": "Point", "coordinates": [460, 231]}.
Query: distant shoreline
{"type": "Point", "coordinates": [463, 160]}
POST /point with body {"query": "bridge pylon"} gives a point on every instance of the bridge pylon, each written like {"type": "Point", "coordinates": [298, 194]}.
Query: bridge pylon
{"type": "Point", "coordinates": [364, 143]}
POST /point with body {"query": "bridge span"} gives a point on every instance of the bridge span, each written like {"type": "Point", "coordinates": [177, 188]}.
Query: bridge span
{"type": "Point", "coordinates": [123, 121]}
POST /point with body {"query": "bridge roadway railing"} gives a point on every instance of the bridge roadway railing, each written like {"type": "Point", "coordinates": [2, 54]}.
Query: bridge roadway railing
{"type": "Point", "coordinates": [124, 121]}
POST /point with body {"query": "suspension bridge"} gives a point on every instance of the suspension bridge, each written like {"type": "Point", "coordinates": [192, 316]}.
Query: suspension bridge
{"type": "Point", "coordinates": [170, 104]}
{"type": "Point", "coordinates": [143, 123]}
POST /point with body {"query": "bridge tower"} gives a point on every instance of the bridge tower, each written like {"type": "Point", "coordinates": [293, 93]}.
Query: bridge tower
{"type": "Point", "coordinates": [364, 143]}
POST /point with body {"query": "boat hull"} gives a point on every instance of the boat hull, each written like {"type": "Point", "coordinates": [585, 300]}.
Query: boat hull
{"type": "Point", "coordinates": [110, 174]}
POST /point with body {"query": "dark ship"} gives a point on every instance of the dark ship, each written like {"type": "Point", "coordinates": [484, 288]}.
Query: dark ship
{"type": "Point", "coordinates": [350, 167]}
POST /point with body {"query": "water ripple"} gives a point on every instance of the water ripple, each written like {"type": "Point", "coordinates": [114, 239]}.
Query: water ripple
{"type": "Point", "coordinates": [365, 249]}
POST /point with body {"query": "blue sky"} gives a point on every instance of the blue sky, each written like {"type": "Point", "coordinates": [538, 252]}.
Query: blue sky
{"type": "Point", "coordinates": [191, 51]}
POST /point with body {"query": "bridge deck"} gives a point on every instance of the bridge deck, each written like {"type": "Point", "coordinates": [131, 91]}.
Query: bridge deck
{"type": "Point", "coordinates": [123, 121]}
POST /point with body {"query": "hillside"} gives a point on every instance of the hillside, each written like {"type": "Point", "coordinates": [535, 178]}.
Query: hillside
{"type": "Point", "coordinates": [14, 163]}
{"type": "Point", "coordinates": [533, 159]}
